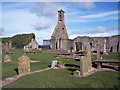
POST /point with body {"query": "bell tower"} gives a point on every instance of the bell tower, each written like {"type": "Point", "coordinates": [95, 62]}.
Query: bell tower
{"type": "Point", "coordinates": [61, 16]}
{"type": "Point", "coordinates": [59, 36]}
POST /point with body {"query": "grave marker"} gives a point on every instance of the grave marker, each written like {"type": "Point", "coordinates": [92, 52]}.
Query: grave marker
{"type": "Point", "coordinates": [23, 65]}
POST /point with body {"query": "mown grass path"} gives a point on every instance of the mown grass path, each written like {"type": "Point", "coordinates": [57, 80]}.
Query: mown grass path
{"type": "Point", "coordinates": [13, 78]}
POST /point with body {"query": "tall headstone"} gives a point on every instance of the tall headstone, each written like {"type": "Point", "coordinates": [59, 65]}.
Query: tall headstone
{"type": "Point", "coordinates": [98, 55]}
{"type": "Point", "coordinates": [23, 65]}
{"type": "Point", "coordinates": [98, 50]}
{"type": "Point", "coordinates": [89, 61]}
{"type": "Point", "coordinates": [85, 62]}
{"type": "Point", "coordinates": [83, 65]}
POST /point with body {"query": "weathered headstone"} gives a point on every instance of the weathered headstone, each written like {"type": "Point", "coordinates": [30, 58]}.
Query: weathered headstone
{"type": "Point", "coordinates": [83, 65]}
{"type": "Point", "coordinates": [7, 58]}
{"type": "Point", "coordinates": [23, 65]}
{"type": "Point", "coordinates": [85, 61]}
{"type": "Point", "coordinates": [76, 73]}
{"type": "Point", "coordinates": [54, 64]}
{"type": "Point", "coordinates": [89, 62]}
{"type": "Point", "coordinates": [98, 50]}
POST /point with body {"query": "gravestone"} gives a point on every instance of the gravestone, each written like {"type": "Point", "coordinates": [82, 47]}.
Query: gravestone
{"type": "Point", "coordinates": [40, 49]}
{"type": "Point", "coordinates": [23, 65]}
{"type": "Point", "coordinates": [83, 65]}
{"type": "Point", "coordinates": [54, 64]}
{"type": "Point", "coordinates": [98, 50]}
{"type": "Point", "coordinates": [89, 62]}
{"type": "Point", "coordinates": [7, 58]}
{"type": "Point", "coordinates": [85, 61]}
{"type": "Point", "coordinates": [76, 73]}
{"type": "Point", "coordinates": [24, 48]}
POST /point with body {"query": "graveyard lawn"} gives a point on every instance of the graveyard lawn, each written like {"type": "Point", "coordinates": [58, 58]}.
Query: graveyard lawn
{"type": "Point", "coordinates": [10, 68]}
{"type": "Point", "coordinates": [59, 78]}
{"type": "Point", "coordinates": [62, 78]}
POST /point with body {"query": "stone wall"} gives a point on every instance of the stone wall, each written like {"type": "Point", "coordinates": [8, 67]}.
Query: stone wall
{"type": "Point", "coordinates": [107, 44]}
{"type": "Point", "coordinates": [33, 44]}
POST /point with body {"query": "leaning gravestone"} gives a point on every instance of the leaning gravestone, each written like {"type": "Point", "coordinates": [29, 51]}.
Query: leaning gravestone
{"type": "Point", "coordinates": [23, 65]}
{"type": "Point", "coordinates": [85, 62]}
{"type": "Point", "coordinates": [7, 58]}
{"type": "Point", "coordinates": [54, 64]}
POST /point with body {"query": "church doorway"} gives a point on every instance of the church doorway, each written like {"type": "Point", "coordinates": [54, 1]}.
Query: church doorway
{"type": "Point", "coordinates": [78, 46]}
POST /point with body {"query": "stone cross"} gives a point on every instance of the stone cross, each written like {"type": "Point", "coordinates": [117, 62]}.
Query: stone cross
{"type": "Point", "coordinates": [23, 65]}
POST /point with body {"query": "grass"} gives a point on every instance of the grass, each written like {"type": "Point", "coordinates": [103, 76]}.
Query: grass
{"type": "Point", "coordinates": [10, 68]}
{"type": "Point", "coordinates": [60, 78]}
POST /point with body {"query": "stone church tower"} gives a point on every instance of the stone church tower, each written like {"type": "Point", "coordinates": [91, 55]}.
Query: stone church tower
{"type": "Point", "coordinates": [59, 37]}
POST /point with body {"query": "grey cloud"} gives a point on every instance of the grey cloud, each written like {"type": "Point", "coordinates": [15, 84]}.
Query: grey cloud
{"type": "Point", "coordinates": [96, 30]}
{"type": "Point", "coordinates": [41, 25]}
{"type": "Point", "coordinates": [47, 9]}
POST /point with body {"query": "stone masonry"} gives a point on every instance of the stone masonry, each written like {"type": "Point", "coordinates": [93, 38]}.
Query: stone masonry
{"type": "Point", "coordinates": [60, 40]}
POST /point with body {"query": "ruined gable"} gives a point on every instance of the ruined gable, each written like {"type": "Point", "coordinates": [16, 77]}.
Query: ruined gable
{"type": "Point", "coordinates": [60, 30]}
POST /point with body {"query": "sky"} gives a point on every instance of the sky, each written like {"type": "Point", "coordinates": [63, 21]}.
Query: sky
{"type": "Point", "coordinates": [94, 19]}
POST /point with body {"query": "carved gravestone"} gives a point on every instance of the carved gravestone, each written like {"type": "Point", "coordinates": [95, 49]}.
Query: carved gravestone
{"type": "Point", "coordinates": [23, 65]}
{"type": "Point", "coordinates": [54, 64]}
{"type": "Point", "coordinates": [7, 58]}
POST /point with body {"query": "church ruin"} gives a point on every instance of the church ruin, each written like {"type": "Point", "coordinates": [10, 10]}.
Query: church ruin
{"type": "Point", "coordinates": [60, 40]}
